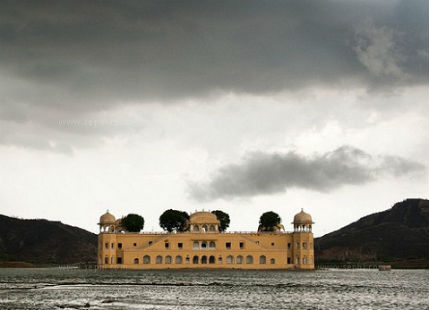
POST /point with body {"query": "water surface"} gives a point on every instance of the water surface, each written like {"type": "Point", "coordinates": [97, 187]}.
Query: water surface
{"type": "Point", "coordinates": [54, 288]}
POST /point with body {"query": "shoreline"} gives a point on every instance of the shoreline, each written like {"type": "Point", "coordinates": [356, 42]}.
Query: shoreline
{"type": "Point", "coordinates": [318, 268]}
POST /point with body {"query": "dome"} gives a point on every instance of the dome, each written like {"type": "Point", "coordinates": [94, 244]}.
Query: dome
{"type": "Point", "coordinates": [107, 218]}
{"type": "Point", "coordinates": [302, 218]}
{"type": "Point", "coordinates": [203, 217]}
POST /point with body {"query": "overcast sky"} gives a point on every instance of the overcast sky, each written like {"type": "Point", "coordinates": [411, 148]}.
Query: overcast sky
{"type": "Point", "coordinates": [242, 106]}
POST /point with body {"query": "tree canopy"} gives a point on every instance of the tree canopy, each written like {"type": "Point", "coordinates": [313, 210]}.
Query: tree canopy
{"type": "Point", "coordinates": [173, 220]}
{"type": "Point", "coordinates": [269, 220]}
{"type": "Point", "coordinates": [223, 218]}
{"type": "Point", "coordinates": [132, 222]}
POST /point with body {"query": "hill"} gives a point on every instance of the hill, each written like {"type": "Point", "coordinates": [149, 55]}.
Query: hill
{"type": "Point", "coordinates": [44, 242]}
{"type": "Point", "coordinates": [398, 236]}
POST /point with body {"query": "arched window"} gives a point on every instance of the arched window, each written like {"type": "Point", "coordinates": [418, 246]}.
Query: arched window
{"type": "Point", "coordinates": [204, 259]}
{"type": "Point", "coordinates": [196, 245]}
{"type": "Point", "coordinates": [219, 260]}
{"type": "Point", "coordinates": [188, 260]}
{"type": "Point", "coordinates": [297, 260]}
{"type": "Point", "coordinates": [178, 259]}
{"type": "Point", "coordinates": [195, 260]}
{"type": "Point", "coordinates": [196, 228]}
{"type": "Point", "coordinates": [230, 259]}
{"type": "Point", "coordinates": [262, 259]}
{"type": "Point", "coordinates": [159, 259]}
{"type": "Point", "coordinates": [304, 260]}
{"type": "Point", "coordinates": [204, 228]}
{"type": "Point", "coordinates": [239, 259]}
{"type": "Point", "coordinates": [212, 228]}
{"type": "Point", "coordinates": [136, 260]}
{"type": "Point", "coordinates": [249, 259]}
{"type": "Point", "coordinates": [146, 259]}
{"type": "Point", "coordinates": [106, 260]}
{"type": "Point", "coordinates": [212, 260]}
{"type": "Point", "coordinates": [168, 259]}
{"type": "Point", "coordinates": [212, 244]}
{"type": "Point", "coordinates": [203, 245]}
{"type": "Point", "coordinates": [272, 261]}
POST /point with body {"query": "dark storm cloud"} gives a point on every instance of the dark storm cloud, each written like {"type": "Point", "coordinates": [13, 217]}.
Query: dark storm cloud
{"type": "Point", "coordinates": [91, 53]}
{"type": "Point", "coordinates": [262, 173]}
{"type": "Point", "coordinates": [65, 59]}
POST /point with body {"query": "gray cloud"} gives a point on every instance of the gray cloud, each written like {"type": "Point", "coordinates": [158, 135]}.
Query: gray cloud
{"type": "Point", "coordinates": [261, 173]}
{"type": "Point", "coordinates": [92, 51]}
{"type": "Point", "coordinates": [71, 59]}
{"type": "Point", "coordinates": [376, 50]}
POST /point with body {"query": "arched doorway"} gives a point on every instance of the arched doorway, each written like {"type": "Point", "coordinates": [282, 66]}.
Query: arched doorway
{"type": "Point", "coordinates": [212, 259]}
{"type": "Point", "coordinates": [146, 259]}
{"type": "Point", "coordinates": [195, 260]}
{"type": "Point", "coordinates": [204, 259]}
{"type": "Point", "coordinates": [159, 259]}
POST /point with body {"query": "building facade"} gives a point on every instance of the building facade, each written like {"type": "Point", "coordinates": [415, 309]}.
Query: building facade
{"type": "Point", "coordinates": [204, 246]}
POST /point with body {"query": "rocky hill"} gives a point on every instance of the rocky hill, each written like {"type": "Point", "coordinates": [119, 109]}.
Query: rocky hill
{"type": "Point", "coordinates": [44, 242]}
{"type": "Point", "coordinates": [398, 236]}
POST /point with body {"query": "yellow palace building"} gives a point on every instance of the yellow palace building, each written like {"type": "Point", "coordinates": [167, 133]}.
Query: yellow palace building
{"type": "Point", "coordinates": [204, 247]}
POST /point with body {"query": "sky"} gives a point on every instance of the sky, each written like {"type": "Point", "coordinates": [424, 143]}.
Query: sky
{"type": "Point", "coordinates": [240, 106]}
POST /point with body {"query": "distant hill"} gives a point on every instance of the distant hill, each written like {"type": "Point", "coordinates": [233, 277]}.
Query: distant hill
{"type": "Point", "coordinates": [44, 242]}
{"type": "Point", "coordinates": [398, 236]}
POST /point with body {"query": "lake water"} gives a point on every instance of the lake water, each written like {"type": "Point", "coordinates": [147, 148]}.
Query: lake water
{"type": "Point", "coordinates": [209, 289]}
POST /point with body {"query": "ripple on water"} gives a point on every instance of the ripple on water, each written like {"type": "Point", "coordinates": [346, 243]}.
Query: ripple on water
{"type": "Point", "coordinates": [229, 289]}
